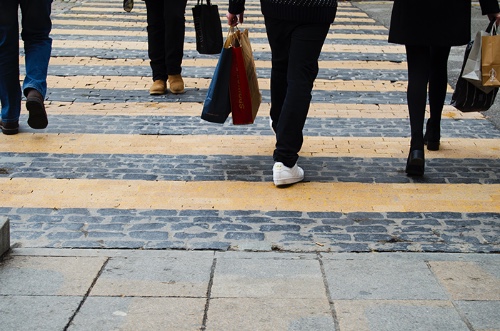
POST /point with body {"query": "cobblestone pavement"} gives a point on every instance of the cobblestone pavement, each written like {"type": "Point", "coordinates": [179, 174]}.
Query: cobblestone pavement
{"type": "Point", "coordinates": [98, 97]}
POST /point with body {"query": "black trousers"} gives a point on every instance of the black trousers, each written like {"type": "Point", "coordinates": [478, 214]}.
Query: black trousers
{"type": "Point", "coordinates": [295, 49]}
{"type": "Point", "coordinates": [427, 69]}
{"type": "Point", "coordinates": [166, 29]}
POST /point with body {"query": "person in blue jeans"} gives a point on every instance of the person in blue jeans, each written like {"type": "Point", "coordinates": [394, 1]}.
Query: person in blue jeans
{"type": "Point", "coordinates": [296, 31]}
{"type": "Point", "coordinates": [36, 26]}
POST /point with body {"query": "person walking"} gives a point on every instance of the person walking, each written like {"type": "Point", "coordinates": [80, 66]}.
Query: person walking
{"type": "Point", "coordinates": [166, 30]}
{"type": "Point", "coordinates": [428, 29]}
{"type": "Point", "coordinates": [296, 31]}
{"type": "Point", "coordinates": [36, 26]}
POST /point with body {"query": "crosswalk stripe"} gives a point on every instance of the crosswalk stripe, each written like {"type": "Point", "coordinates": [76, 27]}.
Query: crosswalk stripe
{"type": "Point", "coordinates": [142, 83]}
{"type": "Point", "coordinates": [212, 62]}
{"type": "Point", "coordinates": [180, 195]}
{"type": "Point", "coordinates": [316, 110]}
{"type": "Point", "coordinates": [191, 34]}
{"type": "Point", "coordinates": [79, 20]}
{"type": "Point", "coordinates": [329, 46]}
{"type": "Point", "coordinates": [239, 145]}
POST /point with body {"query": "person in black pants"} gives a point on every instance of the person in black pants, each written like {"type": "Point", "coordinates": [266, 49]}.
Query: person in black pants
{"type": "Point", "coordinates": [166, 30]}
{"type": "Point", "coordinates": [428, 29]}
{"type": "Point", "coordinates": [296, 31]}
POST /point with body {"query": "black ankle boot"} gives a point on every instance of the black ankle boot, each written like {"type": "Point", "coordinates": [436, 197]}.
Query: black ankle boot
{"type": "Point", "coordinates": [432, 136]}
{"type": "Point", "coordinates": [416, 163]}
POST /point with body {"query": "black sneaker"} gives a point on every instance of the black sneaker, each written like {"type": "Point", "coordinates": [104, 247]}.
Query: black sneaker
{"type": "Point", "coordinates": [9, 128]}
{"type": "Point", "coordinates": [128, 5]}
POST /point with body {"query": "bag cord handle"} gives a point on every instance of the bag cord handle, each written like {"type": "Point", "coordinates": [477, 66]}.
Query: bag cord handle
{"type": "Point", "coordinates": [208, 2]}
{"type": "Point", "coordinates": [491, 29]}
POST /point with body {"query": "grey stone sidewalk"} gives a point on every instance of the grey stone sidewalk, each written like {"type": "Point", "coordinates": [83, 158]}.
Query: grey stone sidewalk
{"type": "Point", "coordinates": [205, 290]}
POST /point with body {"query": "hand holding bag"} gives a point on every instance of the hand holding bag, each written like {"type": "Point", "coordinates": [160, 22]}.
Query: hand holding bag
{"type": "Point", "coordinates": [490, 58]}
{"type": "Point", "coordinates": [208, 28]}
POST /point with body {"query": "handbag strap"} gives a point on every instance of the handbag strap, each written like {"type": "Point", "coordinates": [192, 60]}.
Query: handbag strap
{"type": "Point", "coordinates": [201, 2]}
{"type": "Point", "coordinates": [491, 29]}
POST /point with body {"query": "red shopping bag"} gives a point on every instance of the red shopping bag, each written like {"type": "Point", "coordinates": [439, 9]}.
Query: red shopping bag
{"type": "Point", "coordinates": [239, 90]}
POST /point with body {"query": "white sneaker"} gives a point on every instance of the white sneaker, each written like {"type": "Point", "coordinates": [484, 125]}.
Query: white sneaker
{"type": "Point", "coordinates": [282, 175]}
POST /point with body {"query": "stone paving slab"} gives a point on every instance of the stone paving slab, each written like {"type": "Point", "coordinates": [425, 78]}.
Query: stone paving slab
{"type": "Point", "coordinates": [158, 277]}
{"type": "Point", "coordinates": [482, 315]}
{"type": "Point", "coordinates": [276, 279]}
{"type": "Point", "coordinates": [139, 313]}
{"type": "Point", "coordinates": [399, 315]}
{"type": "Point", "coordinates": [469, 280]}
{"type": "Point", "coordinates": [57, 276]}
{"type": "Point", "coordinates": [41, 313]}
{"type": "Point", "coordinates": [376, 278]}
{"type": "Point", "coordinates": [270, 314]}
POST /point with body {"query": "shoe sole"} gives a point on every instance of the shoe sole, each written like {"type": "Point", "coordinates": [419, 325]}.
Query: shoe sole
{"type": "Point", "coordinates": [433, 145]}
{"type": "Point", "coordinates": [37, 115]}
{"type": "Point", "coordinates": [9, 131]}
{"type": "Point", "coordinates": [415, 168]}
{"type": "Point", "coordinates": [287, 181]}
{"type": "Point", "coordinates": [157, 93]}
{"type": "Point", "coordinates": [128, 6]}
{"type": "Point", "coordinates": [178, 92]}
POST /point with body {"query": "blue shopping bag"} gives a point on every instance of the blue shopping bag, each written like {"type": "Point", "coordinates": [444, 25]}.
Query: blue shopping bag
{"type": "Point", "coordinates": [217, 105]}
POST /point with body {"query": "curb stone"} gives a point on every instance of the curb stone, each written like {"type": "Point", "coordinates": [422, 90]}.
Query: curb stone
{"type": "Point", "coordinates": [4, 236]}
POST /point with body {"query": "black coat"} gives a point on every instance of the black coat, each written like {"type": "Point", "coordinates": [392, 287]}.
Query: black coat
{"type": "Point", "coordinates": [434, 22]}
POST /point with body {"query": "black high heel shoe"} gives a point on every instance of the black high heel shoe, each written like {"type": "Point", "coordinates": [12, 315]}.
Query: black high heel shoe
{"type": "Point", "coordinates": [432, 137]}
{"type": "Point", "coordinates": [416, 163]}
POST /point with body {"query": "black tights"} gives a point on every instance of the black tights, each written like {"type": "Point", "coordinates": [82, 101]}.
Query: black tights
{"type": "Point", "coordinates": [426, 65]}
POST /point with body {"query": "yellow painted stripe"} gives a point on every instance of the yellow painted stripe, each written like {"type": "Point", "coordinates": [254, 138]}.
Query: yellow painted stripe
{"type": "Point", "coordinates": [249, 4]}
{"type": "Point", "coordinates": [238, 145]}
{"type": "Point", "coordinates": [253, 34]}
{"type": "Point", "coordinates": [318, 110]}
{"type": "Point", "coordinates": [80, 20]}
{"type": "Point", "coordinates": [339, 197]}
{"type": "Point", "coordinates": [329, 46]}
{"type": "Point", "coordinates": [141, 12]}
{"type": "Point", "coordinates": [143, 83]}
{"type": "Point", "coordinates": [212, 62]}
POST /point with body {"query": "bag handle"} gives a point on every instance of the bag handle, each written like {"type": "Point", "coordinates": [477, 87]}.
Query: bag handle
{"type": "Point", "coordinates": [491, 29]}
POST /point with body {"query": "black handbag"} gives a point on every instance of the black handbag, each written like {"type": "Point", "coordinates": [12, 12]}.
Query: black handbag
{"type": "Point", "coordinates": [467, 97]}
{"type": "Point", "coordinates": [207, 27]}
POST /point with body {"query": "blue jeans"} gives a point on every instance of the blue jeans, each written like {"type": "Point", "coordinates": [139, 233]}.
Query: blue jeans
{"type": "Point", "coordinates": [295, 49]}
{"type": "Point", "coordinates": [36, 26]}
